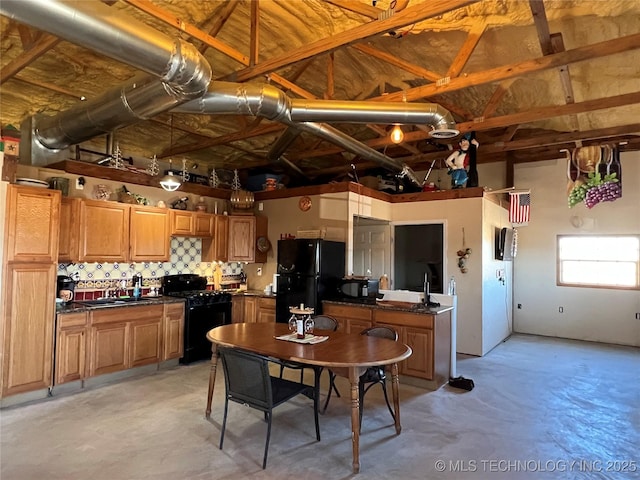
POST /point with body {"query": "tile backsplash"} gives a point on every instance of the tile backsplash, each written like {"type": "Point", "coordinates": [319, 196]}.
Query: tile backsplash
{"type": "Point", "coordinates": [185, 258]}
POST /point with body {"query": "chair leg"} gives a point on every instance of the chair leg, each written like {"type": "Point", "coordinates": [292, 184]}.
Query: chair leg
{"type": "Point", "coordinates": [224, 422]}
{"type": "Point", "coordinates": [386, 398]}
{"type": "Point", "coordinates": [316, 396]}
{"type": "Point", "coordinates": [266, 445]}
{"type": "Point", "coordinates": [332, 383]}
{"type": "Point", "coordinates": [281, 370]}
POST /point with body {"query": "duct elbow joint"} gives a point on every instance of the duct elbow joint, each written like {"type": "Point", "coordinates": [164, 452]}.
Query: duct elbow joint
{"type": "Point", "coordinates": [188, 72]}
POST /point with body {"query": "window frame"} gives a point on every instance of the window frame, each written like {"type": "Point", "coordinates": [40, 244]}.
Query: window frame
{"type": "Point", "coordinates": [559, 263]}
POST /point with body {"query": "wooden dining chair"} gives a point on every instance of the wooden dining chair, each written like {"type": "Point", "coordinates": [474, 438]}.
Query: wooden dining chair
{"type": "Point", "coordinates": [373, 375]}
{"type": "Point", "coordinates": [376, 375]}
{"type": "Point", "coordinates": [248, 382]}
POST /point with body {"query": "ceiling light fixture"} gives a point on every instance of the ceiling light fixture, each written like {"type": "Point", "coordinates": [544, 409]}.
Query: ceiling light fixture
{"type": "Point", "coordinates": [169, 182]}
{"type": "Point", "coordinates": [397, 135]}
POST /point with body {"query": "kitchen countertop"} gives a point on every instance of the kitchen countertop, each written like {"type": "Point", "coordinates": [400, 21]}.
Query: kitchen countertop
{"type": "Point", "coordinates": [397, 306]}
{"type": "Point", "coordinates": [76, 307]}
{"type": "Point", "coordinates": [254, 293]}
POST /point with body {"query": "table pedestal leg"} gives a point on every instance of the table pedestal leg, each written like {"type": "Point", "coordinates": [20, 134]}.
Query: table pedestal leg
{"type": "Point", "coordinates": [354, 375]}
{"type": "Point", "coordinates": [212, 377]}
{"type": "Point", "coordinates": [395, 383]}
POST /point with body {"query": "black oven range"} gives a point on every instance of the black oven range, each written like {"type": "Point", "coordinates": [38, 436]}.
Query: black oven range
{"type": "Point", "coordinates": [204, 310]}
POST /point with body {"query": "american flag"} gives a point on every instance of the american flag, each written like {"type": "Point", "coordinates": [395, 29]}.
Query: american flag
{"type": "Point", "coordinates": [519, 208]}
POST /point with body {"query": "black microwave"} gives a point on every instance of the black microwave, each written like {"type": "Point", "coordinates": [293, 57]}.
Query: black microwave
{"type": "Point", "coordinates": [358, 288]}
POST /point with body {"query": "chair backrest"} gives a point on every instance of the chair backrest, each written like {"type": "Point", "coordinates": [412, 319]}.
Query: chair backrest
{"type": "Point", "coordinates": [246, 377]}
{"type": "Point", "coordinates": [325, 322]}
{"type": "Point", "coordinates": [381, 332]}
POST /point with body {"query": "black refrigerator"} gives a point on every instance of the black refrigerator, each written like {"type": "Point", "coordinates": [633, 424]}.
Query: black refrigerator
{"type": "Point", "coordinates": [308, 271]}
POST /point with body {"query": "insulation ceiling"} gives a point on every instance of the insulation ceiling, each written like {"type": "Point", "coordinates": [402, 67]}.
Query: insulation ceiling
{"type": "Point", "coordinates": [530, 77]}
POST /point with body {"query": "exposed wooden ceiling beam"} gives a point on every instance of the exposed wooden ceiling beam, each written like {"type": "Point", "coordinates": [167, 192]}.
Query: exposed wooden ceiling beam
{"type": "Point", "coordinates": [46, 43]}
{"type": "Point", "coordinates": [163, 15]}
{"type": "Point", "coordinates": [224, 139]}
{"type": "Point", "coordinates": [357, 6]}
{"type": "Point", "coordinates": [579, 54]}
{"type": "Point", "coordinates": [398, 62]}
{"type": "Point", "coordinates": [469, 45]}
{"type": "Point", "coordinates": [331, 86]}
{"type": "Point", "coordinates": [50, 86]}
{"type": "Point", "coordinates": [221, 19]}
{"type": "Point", "coordinates": [542, 25]}
{"type": "Point", "coordinates": [408, 16]}
{"type": "Point", "coordinates": [496, 98]}
{"type": "Point", "coordinates": [254, 40]}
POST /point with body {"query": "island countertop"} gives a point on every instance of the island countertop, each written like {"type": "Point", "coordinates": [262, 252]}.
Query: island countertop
{"type": "Point", "coordinates": [393, 305]}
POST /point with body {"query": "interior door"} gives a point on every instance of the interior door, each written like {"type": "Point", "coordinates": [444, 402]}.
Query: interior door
{"type": "Point", "coordinates": [372, 250]}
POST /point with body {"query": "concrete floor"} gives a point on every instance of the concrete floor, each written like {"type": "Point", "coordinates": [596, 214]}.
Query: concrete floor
{"type": "Point", "coordinates": [542, 408]}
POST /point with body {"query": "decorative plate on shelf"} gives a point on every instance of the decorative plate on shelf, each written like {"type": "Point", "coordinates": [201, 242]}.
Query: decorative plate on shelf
{"type": "Point", "coordinates": [31, 182]}
{"type": "Point", "coordinates": [304, 203]}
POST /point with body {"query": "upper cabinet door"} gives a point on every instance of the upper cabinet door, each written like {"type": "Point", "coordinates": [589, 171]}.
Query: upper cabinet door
{"type": "Point", "coordinates": [242, 238]}
{"type": "Point", "coordinates": [182, 223]}
{"type": "Point", "coordinates": [104, 231]}
{"type": "Point", "coordinates": [149, 235]}
{"type": "Point", "coordinates": [69, 231]}
{"type": "Point", "coordinates": [32, 222]}
{"type": "Point", "coordinates": [203, 224]}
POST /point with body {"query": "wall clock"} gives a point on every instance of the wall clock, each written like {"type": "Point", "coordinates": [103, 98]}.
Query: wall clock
{"type": "Point", "coordinates": [304, 203]}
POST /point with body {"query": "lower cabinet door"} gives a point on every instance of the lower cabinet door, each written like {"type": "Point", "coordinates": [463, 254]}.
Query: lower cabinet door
{"type": "Point", "coordinates": [173, 331]}
{"type": "Point", "coordinates": [420, 363]}
{"type": "Point", "coordinates": [109, 348]}
{"type": "Point", "coordinates": [146, 342]}
{"type": "Point", "coordinates": [70, 354]}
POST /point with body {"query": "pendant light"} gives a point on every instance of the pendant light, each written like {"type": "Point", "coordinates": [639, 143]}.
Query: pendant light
{"type": "Point", "coordinates": [169, 182]}
{"type": "Point", "coordinates": [397, 135]}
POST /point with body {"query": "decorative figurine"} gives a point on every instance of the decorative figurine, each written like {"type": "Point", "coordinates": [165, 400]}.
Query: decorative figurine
{"type": "Point", "coordinates": [462, 163]}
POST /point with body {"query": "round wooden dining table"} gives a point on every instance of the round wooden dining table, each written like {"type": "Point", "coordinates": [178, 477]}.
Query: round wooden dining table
{"type": "Point", "coordinates": [347, 352]}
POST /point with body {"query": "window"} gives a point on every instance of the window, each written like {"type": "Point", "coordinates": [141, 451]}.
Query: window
{"type": "Point", "coordinates": [605, 261]}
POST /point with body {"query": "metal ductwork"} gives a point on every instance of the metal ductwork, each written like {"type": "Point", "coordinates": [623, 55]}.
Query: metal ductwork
{"type": "Point", "coordinates": [180, 79]}
{"type": "Point", "coordinates": [270, 102]}
{"type": "Point", "coordinates": [179, 72]}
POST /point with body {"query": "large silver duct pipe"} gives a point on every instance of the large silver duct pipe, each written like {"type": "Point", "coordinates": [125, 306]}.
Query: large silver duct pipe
{"type": "Point", "coordinates": [179, 72]}
{"type": "Point", "coordinates": [270, 102]}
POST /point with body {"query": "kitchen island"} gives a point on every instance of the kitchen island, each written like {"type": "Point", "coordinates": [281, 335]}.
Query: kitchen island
{"type": "Point", "coordinates": [427, 330]}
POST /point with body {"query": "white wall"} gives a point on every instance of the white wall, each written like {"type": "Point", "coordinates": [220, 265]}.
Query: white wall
{"type": "Point", "coordinates": [603, 315]}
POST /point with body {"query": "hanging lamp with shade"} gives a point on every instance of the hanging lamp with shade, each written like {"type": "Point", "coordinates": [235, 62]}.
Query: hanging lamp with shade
{"type": "Point", "coordinates": [169, 182]}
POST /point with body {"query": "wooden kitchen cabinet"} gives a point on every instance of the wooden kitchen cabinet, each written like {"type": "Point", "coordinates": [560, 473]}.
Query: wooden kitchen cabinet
{"type": "Point", "coordinates": [28, 312]}
{"type": "Point", "coordinates": [104, 231]}
{"type": "Point", "coordinates": [32, 224]}
{"type": "Point", "coordinates": [266, 310]}
{"type": "Point", "coordinates": [125, 337]}
{"type": "Point", "coordinates": [242, 238]}
{"type": "Point", "coordinates": [71, 347]}
{"type": "Point", "coordinates": [250, 309]}
{"type": "Point", "coordinates": [191, 224]}
{"type": "Point", "coordinates": [146, 341]}
{"type": "Point", "coordinates": [149, 237]}
{"type": "Point", "coordinates": [350, 319]}
{"type": "Point", "coordinates": [109, 348]}
{"type": "Point", "coordinates": [69, 230]}
{"type": "Point", "coordinates": [215, 248]}
{"type": "Point", "coordinates": [429, 336]}
{"type": "Point", "coordinates": [173, 335]}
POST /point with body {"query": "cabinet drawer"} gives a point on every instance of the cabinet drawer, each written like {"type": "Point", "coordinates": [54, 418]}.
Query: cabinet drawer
{"type": "Point", "coordinates": [174, 309]}
{"type": "Point", "coordinates": [267, 303]}
{"type": "Point", "coordinates": [418, 320]}
{"type": "Point", "coordinates": [72, 319]}
{"type": "Point", "coordinates": [125, 314]}
{"type": "Point", "coordinates": [356, 313]}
